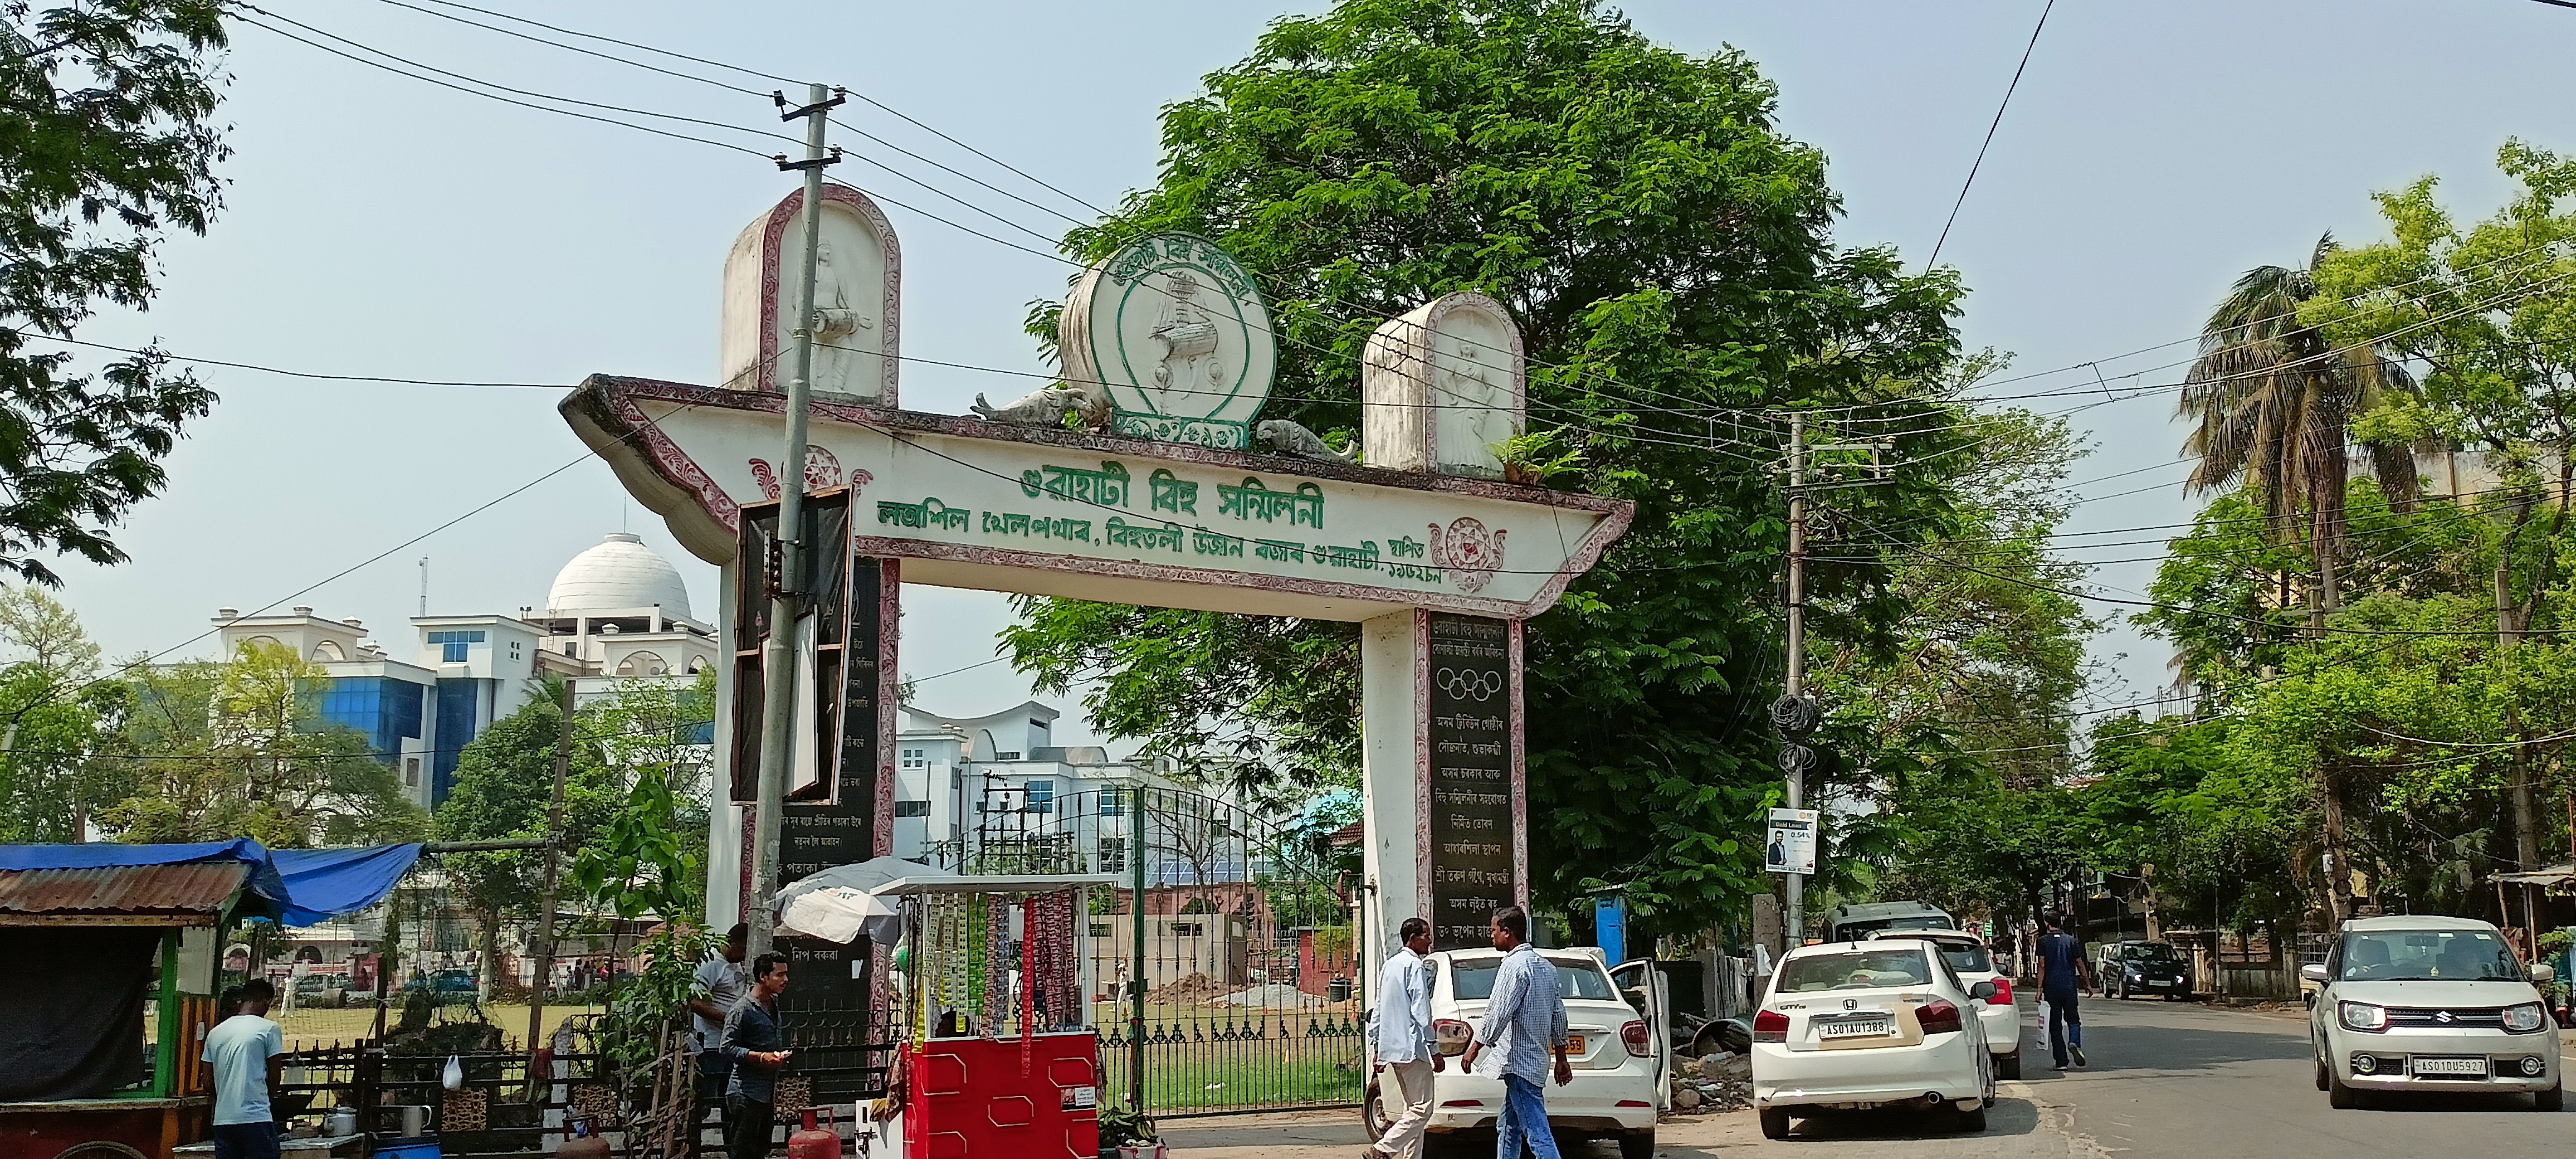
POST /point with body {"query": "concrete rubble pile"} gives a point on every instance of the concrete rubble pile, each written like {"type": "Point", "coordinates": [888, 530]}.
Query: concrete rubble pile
{"type": "Point", "coordinates": [1717, 1082]}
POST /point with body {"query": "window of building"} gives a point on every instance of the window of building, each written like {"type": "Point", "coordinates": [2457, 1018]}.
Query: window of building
{"type": "Point", "coordinates": [641, 664]}
{"type": "Point", "coordinates": [1041, 796]}
{"type": "Point", "coordinates": [916, 759]}
{"type": "Point", "coordinates": [1189, 929]}
{"type": "Point", "coordinates": [912, 808]}
{"type": "Point", "coordinates": [1113, 803]}
{"type": "Point", "coordinates": [1113, 855]}
{"type": "Point", "coordinates": [452, 645]}
{"type": "Point", "coordinates": [411, 772]}
{"type": "Point", "coordinates": [327, 651]}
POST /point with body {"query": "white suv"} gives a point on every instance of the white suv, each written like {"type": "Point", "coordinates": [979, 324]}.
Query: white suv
{"type": "Point", "coordinates": [1621, 1052]}
{"type": "Point", "coordinates": [2430, 1004]}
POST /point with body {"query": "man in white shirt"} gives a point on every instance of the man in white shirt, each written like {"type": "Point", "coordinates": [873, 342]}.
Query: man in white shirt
{"type": "Point", "coordinates": [714, 988]}
{"type": "Point", "coordinates": [1401, 1024]}
{"type": "Point", "coordinates": [244, 1051]}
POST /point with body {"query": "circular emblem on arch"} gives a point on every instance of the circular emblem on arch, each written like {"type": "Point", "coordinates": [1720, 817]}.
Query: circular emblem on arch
{"type": "Point", "coordinates": [1174, 336]}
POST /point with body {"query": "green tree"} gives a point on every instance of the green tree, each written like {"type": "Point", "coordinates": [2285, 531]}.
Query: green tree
{"type": "Point", "coordinates": [1669, 258]}
{"type": "Point", "coordinates": [105, 118]}
{"type": "Point", "coordinates": [504, 788]}
{"type": "Point", "coordinates": [236, 749]}
{"type": "Point", "coordinates": [52, 712]}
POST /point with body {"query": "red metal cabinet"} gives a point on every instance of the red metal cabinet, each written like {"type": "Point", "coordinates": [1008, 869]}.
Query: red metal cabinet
{"type": "Point", "coordinates": [973, 1099]}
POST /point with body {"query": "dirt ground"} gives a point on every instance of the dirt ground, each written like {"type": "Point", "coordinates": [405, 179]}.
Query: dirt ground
{"type": "Point", "coordinates": [1318, 1134]}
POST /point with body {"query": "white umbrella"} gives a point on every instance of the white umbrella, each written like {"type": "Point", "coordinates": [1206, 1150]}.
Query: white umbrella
{"type": "Point", "coordinates": [839, 903]}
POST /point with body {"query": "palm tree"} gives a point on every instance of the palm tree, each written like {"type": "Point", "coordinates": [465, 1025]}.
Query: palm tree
{"type": "Point", "coordinates": [2274, 401]}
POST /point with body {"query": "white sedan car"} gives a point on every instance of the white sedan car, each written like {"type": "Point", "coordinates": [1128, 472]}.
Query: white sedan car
{"type": "Point", "coordinates": [1967, 955]}
{"type": "Point", "coordinates": [1619, 1045]}
{"type": "Point", "coordinates": [2430, 1004]}
{"type": "Point", "coordinates": [1881, 1023]}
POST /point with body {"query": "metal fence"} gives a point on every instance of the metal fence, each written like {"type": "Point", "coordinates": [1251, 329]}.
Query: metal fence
{"type": "Point", "coordinates": [1223, 975]}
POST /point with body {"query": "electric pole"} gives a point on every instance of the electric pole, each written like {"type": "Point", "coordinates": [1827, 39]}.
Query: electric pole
{"type": "Point", "coordinates": [786, 600]}
{"type": "Point", "coordinates": [545, 946]}
{"type": "Point", "coordinates": [1795, 757]}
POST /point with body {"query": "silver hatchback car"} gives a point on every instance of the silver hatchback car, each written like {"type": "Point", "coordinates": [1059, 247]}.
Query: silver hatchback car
{"type": "Point", "coordinates": [2430, 1004]}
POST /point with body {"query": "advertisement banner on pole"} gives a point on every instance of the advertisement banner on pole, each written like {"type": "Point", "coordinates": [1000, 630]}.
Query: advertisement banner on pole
{"type": "Point", "coordinates": [1791, 845]}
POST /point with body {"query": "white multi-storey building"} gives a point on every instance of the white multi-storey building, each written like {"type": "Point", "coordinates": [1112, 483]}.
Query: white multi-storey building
{"type": "Point", "coordinates": [617, 610]}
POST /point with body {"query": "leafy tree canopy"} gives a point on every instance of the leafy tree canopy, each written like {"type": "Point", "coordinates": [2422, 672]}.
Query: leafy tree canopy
{"type": "Point", "coordinates": [1669, 257]}
{"type": "Point", "coordinates": [105, 124]}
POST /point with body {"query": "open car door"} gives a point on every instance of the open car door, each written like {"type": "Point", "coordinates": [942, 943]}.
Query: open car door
{"type": "Point", "coordinates": [1645, 989]}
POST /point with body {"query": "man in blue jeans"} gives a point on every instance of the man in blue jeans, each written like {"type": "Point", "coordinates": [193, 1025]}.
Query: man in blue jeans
{"type": "Point", "coordinates": [2061, 967]}
{"type": "Point", "coordinates": [1524, 1020]}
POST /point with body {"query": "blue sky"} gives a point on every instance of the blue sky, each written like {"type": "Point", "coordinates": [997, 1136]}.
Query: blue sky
{"type": "Point", "coordinates": [380, 226]}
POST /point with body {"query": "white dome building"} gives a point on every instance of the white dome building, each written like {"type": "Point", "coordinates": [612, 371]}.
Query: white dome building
{"type": "Point", "coordinates": [623, 610]}
{"type": "Point", "coordinates": [619, 575]}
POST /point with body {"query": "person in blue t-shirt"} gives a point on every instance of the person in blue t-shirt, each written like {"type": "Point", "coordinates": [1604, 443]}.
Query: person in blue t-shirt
{"type": "Point", "coordinates": [242, 1052]}
{"type": "Point", "coordinates": [2061, 968]}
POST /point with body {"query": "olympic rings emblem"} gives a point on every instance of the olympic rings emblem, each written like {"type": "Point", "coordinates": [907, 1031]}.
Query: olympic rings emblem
{"type": "Point", "coordinates": [1476, 686]}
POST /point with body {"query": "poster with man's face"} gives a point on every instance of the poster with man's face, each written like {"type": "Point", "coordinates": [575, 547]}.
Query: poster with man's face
{"type": "Point", "coordinates": [1790, 846]}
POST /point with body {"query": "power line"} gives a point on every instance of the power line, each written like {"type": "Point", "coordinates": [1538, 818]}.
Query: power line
{"type": "Point", "coordinates": [1990, 133]}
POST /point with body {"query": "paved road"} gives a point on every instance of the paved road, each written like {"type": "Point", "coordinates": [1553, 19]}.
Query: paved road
{"type": "Point", "coordinates": [2167, 1079]}
{"type": "Point", "coordinates": [2188, 1080]}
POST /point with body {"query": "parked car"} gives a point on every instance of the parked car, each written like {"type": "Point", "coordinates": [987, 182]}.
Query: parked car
{"type": "Point", "coordinates": [1852, 923]}
{"type": "Point", "coordinates": [1620, 1049]}
{"type": "Point", "coordinates": [1875, 1024]}
{"type": "Point", "coordinates": [448, 986]}
{"type": "Point", "coordinates": [2430, 1004]}
{"type": "Point", "coordinates": [1968, 957]}
{"type": "Point", "coordinates": [2135, 968]}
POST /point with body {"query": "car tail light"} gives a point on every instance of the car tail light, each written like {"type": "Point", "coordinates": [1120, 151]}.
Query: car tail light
{"type": "Point", "coordinates": [1770, 1026]}
{"type": "Point", "coordinates": [2003, 991]}
{"type": "Point", "coordinates": [1640, 1043]}
{"type": "Point", "coordinates": [1937, 1016]}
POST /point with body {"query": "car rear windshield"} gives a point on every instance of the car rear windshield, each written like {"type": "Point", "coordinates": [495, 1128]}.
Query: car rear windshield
{"type": "Point", "coordinates": [1855, 969]}
{"type": "Point", "coordinates": [1963, 955]}
{"type": "Point", "coordinates": [2153, 953]}
{"type": "Point", "coordinates": [1473, 979]}
{"type": "Point", "coordinates": [2419, 955]}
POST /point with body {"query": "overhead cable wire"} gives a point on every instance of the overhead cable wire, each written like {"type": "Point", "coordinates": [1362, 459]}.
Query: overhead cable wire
{"type": "Point", "coordinates": [1998, 123]}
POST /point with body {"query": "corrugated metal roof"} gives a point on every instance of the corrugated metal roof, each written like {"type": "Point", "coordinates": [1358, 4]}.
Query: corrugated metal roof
{"type": "Point", "coordinates": [191, 888]}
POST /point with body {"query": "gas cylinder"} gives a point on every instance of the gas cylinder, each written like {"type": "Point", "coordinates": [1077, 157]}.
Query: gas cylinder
{"type": "Point", "coordinates": [814, 1142]}
{"type": "Point", "coordinates": [581, 1141]}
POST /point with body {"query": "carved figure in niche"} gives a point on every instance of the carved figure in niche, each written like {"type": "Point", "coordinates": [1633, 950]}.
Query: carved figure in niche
{"type": "Point", "coordinates": [1184, 337]}
{"type": "Point", "coordinates": [836, 324]}
{"type": "Point", "coordinates": [1043, 407]}
{"type": "Point", "coordinates": [1292, 439]}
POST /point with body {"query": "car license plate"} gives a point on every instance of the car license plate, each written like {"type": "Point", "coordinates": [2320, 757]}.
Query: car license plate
{"type": "Point", "coordinates": [1574, 1046]}
{"type": "Point", "coordinates": [2475, 1068]}
{"type": "Point", "coordinates": [1861, 1026]}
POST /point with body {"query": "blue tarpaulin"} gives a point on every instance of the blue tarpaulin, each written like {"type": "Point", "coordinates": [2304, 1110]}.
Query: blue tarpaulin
{"type": "Point", "coordinates": [295, 887]}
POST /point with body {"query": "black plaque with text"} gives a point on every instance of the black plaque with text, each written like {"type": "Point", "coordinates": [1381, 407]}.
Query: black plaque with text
{"type": "Point", "coordinates": [1469, 670]}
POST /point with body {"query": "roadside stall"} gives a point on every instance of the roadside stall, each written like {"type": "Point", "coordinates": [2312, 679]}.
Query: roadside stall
{"type": "Point", "coordinates": [995, 1053]}
{"type": "Point", "coordinates": [96, 940]}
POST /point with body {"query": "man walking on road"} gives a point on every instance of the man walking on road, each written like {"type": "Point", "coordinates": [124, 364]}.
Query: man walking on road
{"type": "Point", "coordinates": [755, 1036]}
{"type": "Point", "coordinates": [2061, 967]}
{"type": "Point", "coordinates": [1526, 1017]}
{"type": "Point", "coordinates": [1401, 1024]}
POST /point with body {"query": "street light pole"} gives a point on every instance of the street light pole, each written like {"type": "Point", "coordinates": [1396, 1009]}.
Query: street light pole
{"type": "Point", "coordinates": [786, 600]}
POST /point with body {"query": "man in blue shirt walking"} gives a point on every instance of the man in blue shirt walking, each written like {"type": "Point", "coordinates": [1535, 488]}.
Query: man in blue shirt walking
{"type": "Point", "coordinates": [1524, 1020]}
{"type": "Point", "coordinates": [2061, 967]}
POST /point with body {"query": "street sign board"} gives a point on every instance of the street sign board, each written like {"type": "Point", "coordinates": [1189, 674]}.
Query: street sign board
{"type": "Point", "coordinates": [1791, 845]}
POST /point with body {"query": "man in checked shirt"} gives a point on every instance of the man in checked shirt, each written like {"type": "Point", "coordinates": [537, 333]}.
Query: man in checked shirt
{"type": "Point", "coordinates": [1524, 1020]}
